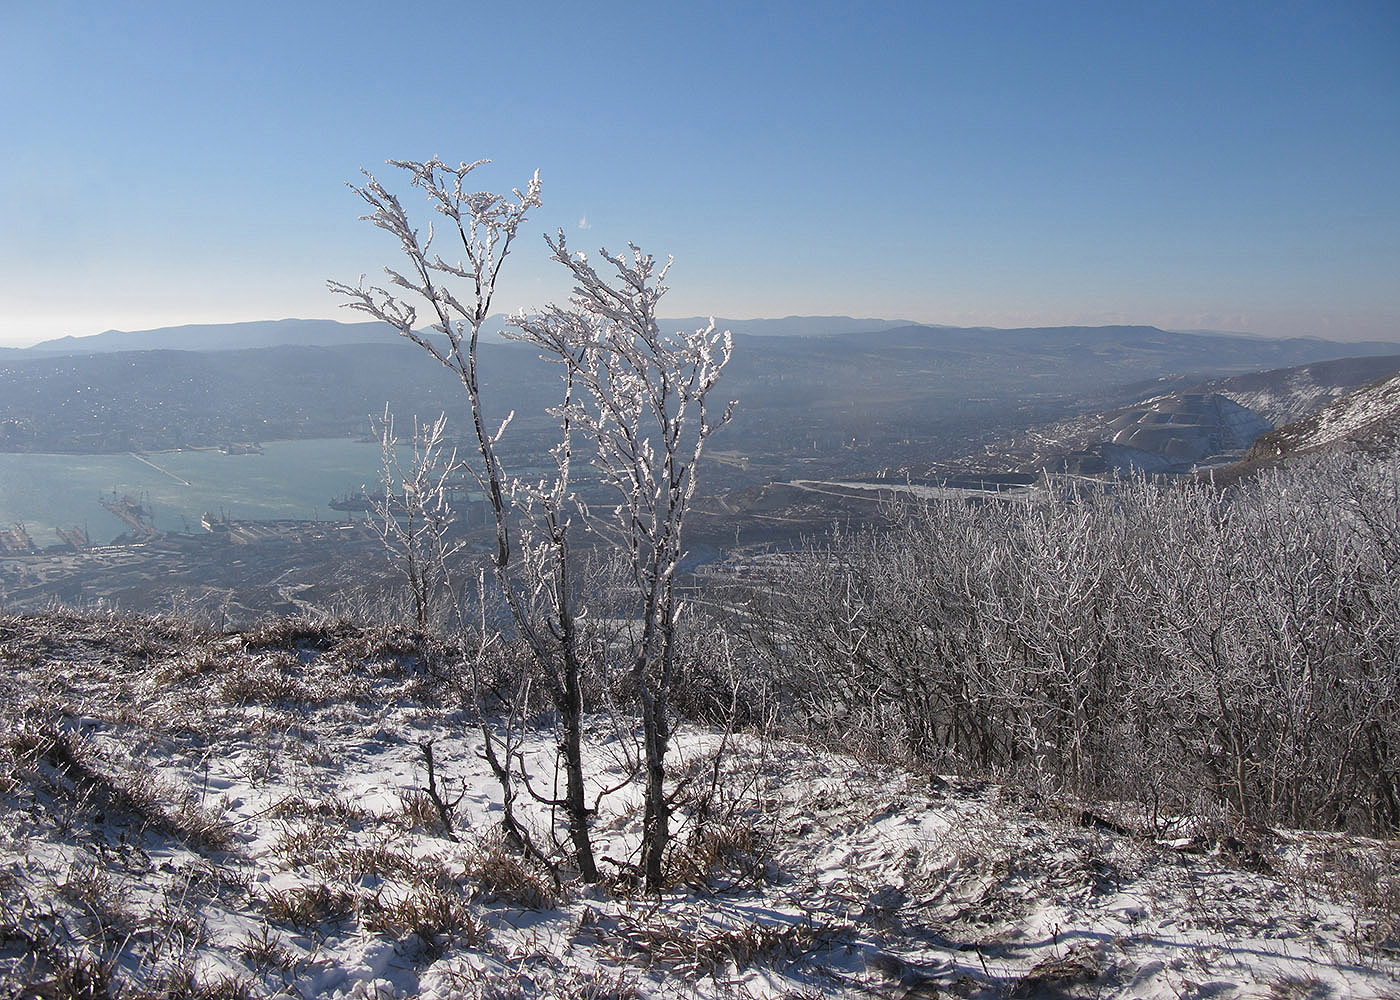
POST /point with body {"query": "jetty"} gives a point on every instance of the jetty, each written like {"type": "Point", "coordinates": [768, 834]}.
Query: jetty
{"type": "Point", "coordinates": [164, 472]}
{"type": "Point", "coordinates": [75, 538]}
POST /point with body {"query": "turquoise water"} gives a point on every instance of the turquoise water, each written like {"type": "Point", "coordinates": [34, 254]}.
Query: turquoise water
{"type": "Point", "coordinates": [291, 479]}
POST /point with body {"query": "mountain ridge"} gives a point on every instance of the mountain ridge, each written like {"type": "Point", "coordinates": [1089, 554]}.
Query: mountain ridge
{"type": "Point", "coordinates": [331, 333]}
{"type": "Point", "coordinates": [334, 333]}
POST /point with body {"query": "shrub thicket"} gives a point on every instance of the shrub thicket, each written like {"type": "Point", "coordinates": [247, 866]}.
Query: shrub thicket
{"type": "Point", "coordinates": [1235, 652]}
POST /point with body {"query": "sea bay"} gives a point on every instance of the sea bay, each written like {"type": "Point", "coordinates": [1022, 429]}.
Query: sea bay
{"type": "Point", "coordinates": [289, 480]}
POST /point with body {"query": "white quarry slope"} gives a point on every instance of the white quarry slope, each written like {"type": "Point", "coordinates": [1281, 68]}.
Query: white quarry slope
{"type": "Point", "coordinates": [1285, 395]}
{"type": "Point", "coordinates": [1169, 431]}
{"type": "Point", "coordinates": [1367, 418]}
{"type": "Point", "coordinates": [244, 814]}
{"type": "Point", "coordinates": [1214, 421]}
{"type": "Point", "coordinates": [1180, 428]}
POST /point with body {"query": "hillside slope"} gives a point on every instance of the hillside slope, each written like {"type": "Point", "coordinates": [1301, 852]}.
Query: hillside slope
{"type": "Point", "coordinates": [1284, 395]}
{"type": "Point", "coordinates": [1199, 423]}
{"type": "Point", "coordinates": [1367, 419]}
{"type": "Point", "coordinates": [188, 813]}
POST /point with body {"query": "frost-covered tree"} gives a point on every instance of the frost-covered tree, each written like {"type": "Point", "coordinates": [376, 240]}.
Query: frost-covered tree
{"type": "Point", "coordinates": [639, 398]}
{"type": "Point", "coordinates": [636, 397]}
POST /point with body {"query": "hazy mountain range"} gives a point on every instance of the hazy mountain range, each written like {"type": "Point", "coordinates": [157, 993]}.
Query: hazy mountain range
{"type": "Point", "coordinates": [816, 394]}
{"type": "Point", "coordinates": [332, 333]}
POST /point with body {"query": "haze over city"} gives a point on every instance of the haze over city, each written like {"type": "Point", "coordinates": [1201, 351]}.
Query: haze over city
{"type": "Point", "coordinates": [1198, 166]}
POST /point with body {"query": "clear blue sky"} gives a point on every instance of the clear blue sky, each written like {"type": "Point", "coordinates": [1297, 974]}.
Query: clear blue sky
{"type": "Point", "coordinates": [1222, 165]}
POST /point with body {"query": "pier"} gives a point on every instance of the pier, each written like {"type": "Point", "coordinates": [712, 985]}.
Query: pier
{"type": "Point", "coordinates": [146, 461]}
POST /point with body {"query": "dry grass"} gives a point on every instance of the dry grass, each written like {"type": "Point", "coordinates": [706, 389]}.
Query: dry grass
{"type": "Point", "coordinates": [323, 807]}
{"type": "Point", "coordinates": [267, 951]}
{"type": "Point", "coordinates": [434, 913]}
{"type": "Point", "coordinates": [697, 949]}
{"type": "Point", "coordinates": [720, 855]}
{"type": "Point", "coordinates": [116, 779]}
{"type": "Point", "coordinates": [306, 907]}
{"type": "Point", "coordinates": [68, 772]}
{"type": "Point", "coordinates": [378, 860]}
{"type": "Point", "coordinates": [1299, 988]}
{"type": "Point", "coordinates": [418, 812]}
{"type": "Point", "coordinates": [1070, 975]}
{"type": "Point", "coordinates": [1364, 874]}
{"type": "Point", "coordinates": [501, 874]}
{"type": "Point", "coordinates": [271, 680]}
{"type": "Point", "coordinates": [96, 951]}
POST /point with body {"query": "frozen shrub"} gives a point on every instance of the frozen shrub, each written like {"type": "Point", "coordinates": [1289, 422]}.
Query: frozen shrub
{"type": "Point", "coordinates": [1170, 642]}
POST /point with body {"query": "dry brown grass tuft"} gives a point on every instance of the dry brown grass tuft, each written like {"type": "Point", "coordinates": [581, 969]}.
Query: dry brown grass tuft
{"type": "Point", "coordinates": [693, 950]}
{"type": "Point", "coordinates": [70, 973]}
{"type": "Point", "coordinates": [304, 845]}
{"type": "Point", "coordinates": [502, 875]}
{"type": "Point", "coordinates": [265, 950]}
{"type": "Point", "coordinates": [379, 860]}
{"type": "Point", "coordinates": [599, 984]}
{"type": "Point", "coordinates": [287, 632]}
{"type": "Point", "coordinates": [418, 813]}
{"type": "Point", "coordinates": [99, 894]}
{"type": "Point", "coordinates": [201, 662]}
{"type": "Point", "coordinates": [271, 680]}
{"type": "Point", "coordinates": [1072, 974]}
{"type": "Point", "coordinates": [306, 907]}
{"type": "Point", "coordinates": [1299, 988]}
{"type": "Point", "coordinates": [734, 852]}
{"type": "Point", "coordinates": [435, 913]}
{"type": "Point", "coordinates": [325, 807]}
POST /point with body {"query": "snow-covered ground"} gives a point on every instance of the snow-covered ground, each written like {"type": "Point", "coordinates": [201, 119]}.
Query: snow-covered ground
{"type": "Point", "coordinates": [190, 814]}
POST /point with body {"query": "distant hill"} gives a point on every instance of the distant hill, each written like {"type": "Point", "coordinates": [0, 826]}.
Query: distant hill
{"type": "Point", "coordinates": [900, 397]}
{"type": "Point", "coordinates": [1119, 346]}
{"type": "Point", "coordinates": [222, 337]}
{"type": "Point", "coordinates": [1171, 432]}
{"type": "Point", "coordinates": [332, 333]}
{"type": "Point", "coordinates": [1123, 347]}
{"type": "Point", "coordinates": [1190, 422]}
{"type": "Point", "coordinates": [792, 326]}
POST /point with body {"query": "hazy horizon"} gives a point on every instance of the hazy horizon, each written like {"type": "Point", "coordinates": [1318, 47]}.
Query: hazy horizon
{"type": "Point", "coordinates": [832, 325]}
{"type": "Point", "coordinates": [1202, 167]}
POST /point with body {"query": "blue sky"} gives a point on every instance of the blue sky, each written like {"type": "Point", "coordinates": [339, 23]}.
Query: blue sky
{"type": "Point", "coordinates": [1189, 165]}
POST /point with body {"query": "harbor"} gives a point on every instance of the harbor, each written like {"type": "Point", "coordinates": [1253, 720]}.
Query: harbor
{"type": "Point", "coordinates": [171, 491]}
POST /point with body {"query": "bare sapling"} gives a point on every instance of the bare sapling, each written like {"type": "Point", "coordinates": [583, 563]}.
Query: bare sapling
{"type": "Point", "coordinates": [482, 227]}
{"type": "Point", "coordinates": [413, 514]}
{"type": "Point", "coordinates": [635, 396]}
